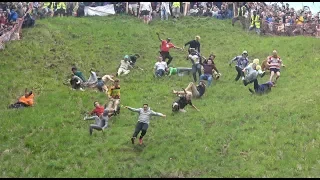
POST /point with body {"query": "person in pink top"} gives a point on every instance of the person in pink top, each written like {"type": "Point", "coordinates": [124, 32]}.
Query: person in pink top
{"type": "Point", "coordinates": [274, 63]}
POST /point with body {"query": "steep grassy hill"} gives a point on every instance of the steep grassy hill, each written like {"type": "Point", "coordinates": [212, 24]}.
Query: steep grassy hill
{"type": "Point", "coordinates": [234, 135]}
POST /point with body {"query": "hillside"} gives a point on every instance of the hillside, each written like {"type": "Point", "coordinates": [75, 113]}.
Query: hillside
{"type": "Point", "coordinates": [234, 135]}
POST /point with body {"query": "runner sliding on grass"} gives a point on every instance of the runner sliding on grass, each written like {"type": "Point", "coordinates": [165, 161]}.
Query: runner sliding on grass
{"type": "Point", "coordinates": [143, 122]}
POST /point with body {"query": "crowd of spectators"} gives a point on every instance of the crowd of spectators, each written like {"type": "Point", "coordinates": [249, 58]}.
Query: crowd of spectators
{"type": "Point", "coordinates": [281, 19]}
{"type": "Point", "coordinates": [10, 12]}
{"type": "Point", "coordinates": [275, 19]}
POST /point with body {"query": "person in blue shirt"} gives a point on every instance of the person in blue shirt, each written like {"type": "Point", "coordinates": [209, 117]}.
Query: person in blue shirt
{"type": "Point", "coordinates": [260, 89]}
{"type": "Point", "coordinates": [13, 16]}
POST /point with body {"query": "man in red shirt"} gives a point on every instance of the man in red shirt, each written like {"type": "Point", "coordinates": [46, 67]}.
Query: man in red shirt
{"type": "Point", "coordinates": [97, 111]}
{"type": "Point", "coordinates": [165, 47]}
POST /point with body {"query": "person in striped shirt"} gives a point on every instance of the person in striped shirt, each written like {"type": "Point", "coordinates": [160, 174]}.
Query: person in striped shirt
{"type": "Point", "coordinates": [274, 63]}
{"type": "Point", "coordinates": [114, 96]}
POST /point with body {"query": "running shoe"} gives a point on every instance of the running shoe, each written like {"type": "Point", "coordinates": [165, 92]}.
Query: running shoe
{"type": "Point", "coordinates": [132, 140]}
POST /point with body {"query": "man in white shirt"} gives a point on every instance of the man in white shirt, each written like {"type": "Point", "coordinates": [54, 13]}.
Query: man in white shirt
{"type": "Point", "coordinates": [145, 10]}
{"type": "Point", "coordinates": [165, 10]}
{"type": "Point", "coordinates": [160, 67]}
{"type": "Point", "coordinates": [124, 67]}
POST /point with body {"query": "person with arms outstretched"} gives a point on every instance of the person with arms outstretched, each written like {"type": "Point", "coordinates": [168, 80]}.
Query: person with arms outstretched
{"type": "Point", "coordinates": [145, 114]}
{"type": "Point", "coordinates": [165, 47]}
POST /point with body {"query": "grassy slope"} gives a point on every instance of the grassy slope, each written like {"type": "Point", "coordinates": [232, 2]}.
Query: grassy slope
{"type": "Point", "coordinates": [235, 135]}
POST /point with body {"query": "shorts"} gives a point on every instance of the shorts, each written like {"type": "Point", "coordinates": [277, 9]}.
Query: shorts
{"type": "Point", "coordinates": [145, 13]}
{"type": "Point", "coordinates": [275, 70]}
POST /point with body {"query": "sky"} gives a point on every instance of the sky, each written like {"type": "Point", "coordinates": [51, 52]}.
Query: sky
{"type": "Point", "coordinates": [314, 7]}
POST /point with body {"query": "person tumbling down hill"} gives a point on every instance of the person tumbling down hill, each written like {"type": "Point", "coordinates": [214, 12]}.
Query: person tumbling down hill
{"type": "Point", "coordinates": [98, 110]}
{"type": "Point", "coordinates": [195, 91]}
{"type": "Point", "coordinates": [160, 67]}
{"type": "Point", "coordinates": [165, 47]}
{"type": "Point", "coordinates": [208, 71]}
{"type": "Point", "coordinates": [102, 82]}
{"type": "Point", "coordinates": [260, 89]}
{"type": "Point", "coordinates": [132, 59]}
{"type": "Point", "coordinates": [101, 121]}
{"type": "Point", "coordinates": [145, 114]}
{"type": "Point", "coordinates": [251, 74]}
{"type": "Point", "coordinates": [124, 67]}
{"type": "Point", "coordinates": [92, 81]}
{"type": "Point", "coordinates": [178, 70]}
{"type": "Point", "coordinates": [114, 96]}
{"type": "Point", "coordinates": [216, 72]}
{"type": "Point", "coordinates": [77, 79]}
{"type": "Point", "coordinates": [178, 105]}
{"type": "Point", "coordinates": [27, 100]}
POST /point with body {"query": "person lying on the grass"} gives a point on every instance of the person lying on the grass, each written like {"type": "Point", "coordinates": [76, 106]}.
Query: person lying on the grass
{"type": "Point", "coordinates": [143, 122]}
{"type": "Point", "coordinates": [98, 110]}
{"type": "Point", "coordinates": [216, 72]}
{"type": "Point", "coordinates": [92, 81]}
{"type": "Point", "coordinates": [160, 67]}
{"type": "Point", "coordinates": [132, 59]}
{"type": "Point", "coordinates": [114, 96]}
{"type": "Point", "coordinates": [77, 79]}
{"type": "Point", "coordinates": [195, 91]}
{"type": "Point", "coordinates": [260, 89]}
{"type": "Point", "coordinates": [76, 83]}
{"type": "Point", "coordinates": [178, 70]}
{"type": "Point", "coordinates": [26, 100]}
{"type": "Point", "coordinates": [101, 121]}
{"type": "Point", "coordinates": [78, 73]}
{"type": "Point", "coordinates": [183, 100]}
{"type": "Point", "coordinates": [124, 67]}
{"type": "Point", "coordinates": [102, 82]}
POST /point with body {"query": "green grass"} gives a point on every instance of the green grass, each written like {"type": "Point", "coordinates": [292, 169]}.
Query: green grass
{"type": "Point", "coordinates": [235, 134]}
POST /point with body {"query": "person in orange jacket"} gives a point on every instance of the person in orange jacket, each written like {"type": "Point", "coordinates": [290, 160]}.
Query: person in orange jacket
{"type": "Point", "coordinates": [26, 100]}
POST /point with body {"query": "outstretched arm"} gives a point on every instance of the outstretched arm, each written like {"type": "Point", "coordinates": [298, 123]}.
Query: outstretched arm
{"type": "Point", "coordinates": [157, 114]}
{"type": "Point", "coordinates": [234, 59]}
{"type": "Point", "coordinates": [133, 109]}
{"type": "Point", "coordinates": [195, 107]}
{"type": "Point", "coordinates": [159, 37]}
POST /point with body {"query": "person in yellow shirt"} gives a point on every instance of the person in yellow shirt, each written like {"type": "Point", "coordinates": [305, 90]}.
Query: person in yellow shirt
{"type": "Point", "coordinates": [26, 100]}
{"type": "Point", "coordinates": [114, 96]}
{"type": "Point", "coordinates": [176, 9]}
{"type": "Point", "coordinates": [61, 8]}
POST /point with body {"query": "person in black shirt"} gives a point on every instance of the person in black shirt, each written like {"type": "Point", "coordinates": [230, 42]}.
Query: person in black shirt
{"type": "Point", "coordinates": [193, 44]}
{"type": "Point", "coordinates": [132, 58]}
{"type": "Point", "coordinates": [179, 104]}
